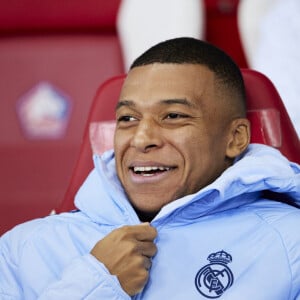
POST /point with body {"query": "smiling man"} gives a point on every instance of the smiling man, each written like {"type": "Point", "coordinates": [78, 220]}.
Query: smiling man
{"type": "Point", "coordinates": [178, 210]}
{"type": "Point", "coordinates": [171, 139]}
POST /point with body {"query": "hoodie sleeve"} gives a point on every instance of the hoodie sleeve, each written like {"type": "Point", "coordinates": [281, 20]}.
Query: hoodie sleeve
{"type": "Point", "coordinates": [10, 286]}
{"type": "Point", "coordinates": [83, 278]}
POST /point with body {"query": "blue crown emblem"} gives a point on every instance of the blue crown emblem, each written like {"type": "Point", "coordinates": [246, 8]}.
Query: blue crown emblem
{"type": "Point", "coordinates": [215, 278]}
{"type": "Point", "coordinates": [220, 257]}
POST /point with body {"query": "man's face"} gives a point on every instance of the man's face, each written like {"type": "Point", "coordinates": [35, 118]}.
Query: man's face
{"type": "Point", "coordinates": [171, 135]}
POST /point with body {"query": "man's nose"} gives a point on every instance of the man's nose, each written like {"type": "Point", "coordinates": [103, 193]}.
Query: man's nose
{"type": "Point", "coordinates": [147, 136]}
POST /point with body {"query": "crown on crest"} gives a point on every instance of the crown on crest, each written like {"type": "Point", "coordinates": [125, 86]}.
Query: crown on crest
{"type": "Point", "coordinates": [220, 256]}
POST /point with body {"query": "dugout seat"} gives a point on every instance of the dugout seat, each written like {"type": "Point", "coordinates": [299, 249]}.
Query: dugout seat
{"type": "Point", "coordinates": [222, 30]}
{"type": "Point", "coordinates": [62, 50]}
{"type": "Point", "coordinates": [53, 54]}
{"type": "Point", "coordinates": [270, 124]}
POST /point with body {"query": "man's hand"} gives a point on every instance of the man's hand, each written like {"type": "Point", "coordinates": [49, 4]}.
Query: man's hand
{"type": "Point", "coordinates": [126, 252]}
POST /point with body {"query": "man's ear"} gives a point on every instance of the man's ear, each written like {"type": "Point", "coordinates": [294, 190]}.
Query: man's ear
{"type": "Point", "coordinates": [238, 137]}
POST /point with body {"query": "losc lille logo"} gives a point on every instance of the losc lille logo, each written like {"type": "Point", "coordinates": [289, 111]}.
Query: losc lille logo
{"type": "Point", "coordinates": [215, 278]}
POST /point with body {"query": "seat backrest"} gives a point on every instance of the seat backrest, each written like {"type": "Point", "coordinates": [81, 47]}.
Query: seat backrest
{"type": "Point", "coordinates": [221, 28]}
{"type": "Point", "coordinates": [102, 115]}
{"type": "Point", "coordinates": [270, 122]}
{"type": "Point", "coordinates": [270, 125]}
{"type": "Point", "coordinates": [53, 54]}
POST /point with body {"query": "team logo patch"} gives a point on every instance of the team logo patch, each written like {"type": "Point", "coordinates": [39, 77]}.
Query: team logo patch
{"type": "Point", "coordinates": [44, 112]}
{"type": "Point", "coordinates": [215, 278]}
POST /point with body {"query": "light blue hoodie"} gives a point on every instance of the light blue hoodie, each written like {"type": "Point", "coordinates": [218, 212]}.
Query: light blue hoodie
{"type": "Point", "coordinates": [226, 241]}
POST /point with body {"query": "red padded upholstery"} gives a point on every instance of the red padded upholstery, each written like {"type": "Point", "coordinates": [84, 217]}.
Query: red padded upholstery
{"type": "Point", "coordinates": [73, 45]}
{"type": "Point", "coordinates": [222, 28]}
{"type": "Point", "coordinates": [26, 16]}
{"type": "Point", "coordinates": [103, 109]}
{"type": "Point", "coordinates": [269, 121]}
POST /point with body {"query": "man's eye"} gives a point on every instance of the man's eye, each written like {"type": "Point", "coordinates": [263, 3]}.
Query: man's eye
{"type": "Point", "coordinates": [175, 116]}
{"type": "Point", "coordinates": [126, 119]}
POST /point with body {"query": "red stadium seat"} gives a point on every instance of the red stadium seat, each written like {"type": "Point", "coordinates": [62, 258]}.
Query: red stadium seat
{"type": "Point", "coordinates": [53, 54]}
{"type": "Point", "coordinates": [102, 110]}
{"type": "Point", "coordinates": [269, 121]}
{"type": "Point", "coordinates": [222, 28]}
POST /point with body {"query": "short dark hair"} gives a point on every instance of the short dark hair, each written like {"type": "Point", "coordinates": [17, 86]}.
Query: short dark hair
{"type": "Point", "coordinates": [187, 50]}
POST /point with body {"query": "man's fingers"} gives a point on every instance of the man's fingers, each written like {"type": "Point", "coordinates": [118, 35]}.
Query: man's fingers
{"type": "Point", "coordinates": [127, 253]}
{"type": "Point", "coordinates": [145, 232]}
{"type": "Point", "coordinates": [147, 248]}
{"type": "Point", "coordinates": [147, 263]}
{"type": "Point", "coordinates": [141, 232]}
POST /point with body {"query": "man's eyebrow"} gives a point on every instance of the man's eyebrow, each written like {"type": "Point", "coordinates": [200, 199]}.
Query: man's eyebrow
{"type": "Point", "coordinates": [182, 101]}
{"type": "Point", "coordinates": [124, 103]}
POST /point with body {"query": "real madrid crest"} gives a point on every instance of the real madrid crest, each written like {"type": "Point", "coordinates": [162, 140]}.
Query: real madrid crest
{"type": "Point", "coordinates": [215, 278]}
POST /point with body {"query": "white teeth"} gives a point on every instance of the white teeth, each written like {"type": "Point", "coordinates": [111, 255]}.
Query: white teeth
{"type": "Point", "coordinates": [164, 168]}
{"type": "Point", "coordinates": [148, 169]}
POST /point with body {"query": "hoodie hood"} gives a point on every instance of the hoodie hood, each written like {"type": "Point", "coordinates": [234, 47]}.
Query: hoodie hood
{"type": "Point", "coordinates": [260, 168]}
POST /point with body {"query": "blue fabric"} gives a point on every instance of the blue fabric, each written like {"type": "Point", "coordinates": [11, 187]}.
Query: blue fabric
{"type": "Point", "coordinates": [226, 241]}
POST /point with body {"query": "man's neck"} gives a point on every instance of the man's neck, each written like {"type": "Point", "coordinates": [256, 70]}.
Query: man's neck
{"type": "Point", "coordinates": [145, 216]}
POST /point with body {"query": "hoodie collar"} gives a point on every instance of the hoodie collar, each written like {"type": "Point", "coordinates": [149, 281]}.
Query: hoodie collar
{"type": "Point", "coordinates": [260, 168]}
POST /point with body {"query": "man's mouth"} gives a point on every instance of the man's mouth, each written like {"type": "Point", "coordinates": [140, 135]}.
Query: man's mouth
{"type": "Point", "coordinates": [150, 170]}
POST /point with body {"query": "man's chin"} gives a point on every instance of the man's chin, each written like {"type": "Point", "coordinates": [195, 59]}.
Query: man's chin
{"type": "Point", "coordinates": [146, 207]}
{"type": "Point", "coordinates": [149, 202]}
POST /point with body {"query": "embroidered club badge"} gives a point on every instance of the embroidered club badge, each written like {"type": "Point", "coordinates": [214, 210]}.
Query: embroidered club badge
{"type": "Point", "coordinates": [215, 278]}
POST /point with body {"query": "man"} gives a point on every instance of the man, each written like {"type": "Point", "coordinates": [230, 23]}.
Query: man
{"type": "Point", "coordinates": [179, 210]}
